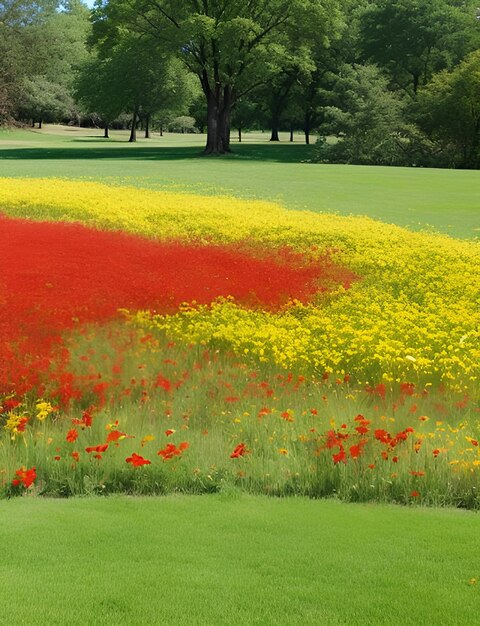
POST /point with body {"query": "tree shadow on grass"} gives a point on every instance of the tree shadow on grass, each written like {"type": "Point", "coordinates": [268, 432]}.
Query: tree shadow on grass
{"type": "Point", "coordinates": [281, 153]}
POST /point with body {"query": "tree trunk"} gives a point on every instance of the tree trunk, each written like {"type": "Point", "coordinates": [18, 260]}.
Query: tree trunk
{"type": "Point", "coordinates": [161, 131]}
{"type": "Point", "coordinates": [133, 131]}
{"type": "Point", "coordinates": [105, 134]}
{"type": "Point", "coordinates": [239, 135]}
{"type": "Point", "coordinates": [147, 126]}
{"type": "Point", "coordinates": [40, 123]}
{"type": "Point", "coordinates": [291, 133]}
{"type": "Point", "coordinates": [33, 123]}
{"type": "Point", "coordinates": [274, 136]}
{"type": "Point", "coordinates": [307, 128]}
{"type": "Point", "coordinates": [219, 107]}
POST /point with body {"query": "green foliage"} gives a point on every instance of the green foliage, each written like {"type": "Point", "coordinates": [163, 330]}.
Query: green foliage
{"type": "Point", "coordinates": [414, 38]}
{"type": "Point", "coordinates": [366, 118]}
{"type": "Point", "coordinates": [43, 100]}
{"type": "Point", "coordinates": [448, 110]}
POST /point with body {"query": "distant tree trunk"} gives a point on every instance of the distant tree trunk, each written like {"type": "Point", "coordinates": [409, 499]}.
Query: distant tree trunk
{"type": "Point", "coordinates": [133, 130]}
{"type": "Point", "coordinates": [33, 123]}
{"type": "Point", "coordinates": [40, 123]}
{"type": "Point", "coordinates": [219, 107]}
{"type": "Point", "coordinates": [291, 133]}
{"type": "Point", "coordinates": [239, 134]}
{"type": "Point", "coordinates": [307, 128]}
{"type": "Point", "coordinates": [105, 133]}
{"type": "Point", "coordinates": [161, 131]}
{"type": "Point", "coordinates": [274, 136]}
{"type": "Point", "coordinates": [147, 126]}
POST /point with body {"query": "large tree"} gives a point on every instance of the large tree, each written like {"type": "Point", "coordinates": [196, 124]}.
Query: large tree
{"type": "Point", "coordinates": [412, 39]}
{"type": "Point", "coordinates": [228, 44]}
{"type": "Point", "coordinates": [448, 110]}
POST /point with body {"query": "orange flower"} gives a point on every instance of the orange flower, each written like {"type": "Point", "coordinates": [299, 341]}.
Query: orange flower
{"type": "Point", "coordinates": [72, 435]}
{"type": "Point", "coordinates": [115, 435]}
{"type": "Point", "coordinates": [169, 432]}
{"type": "Point", "coordinates": [76, 456]}
{"type": "Point", "coordinates": [26, 477]}
{"type": "Point", "coordinates": [239, 450]}
{"type": "Point", "coordinates": [98, 449]}
{"type": "Point", "coordinates": [137, 461]}
{"type": "Point", "coordinates": [340, 456]}
{"type": "Point", "coordinates": [414, 473]}
{"type": "Point", "coordinates": [171, 450]}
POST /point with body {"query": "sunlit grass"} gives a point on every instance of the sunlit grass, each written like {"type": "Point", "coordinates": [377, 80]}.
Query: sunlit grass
{"type": "Point", "coordinates": [228, 559]}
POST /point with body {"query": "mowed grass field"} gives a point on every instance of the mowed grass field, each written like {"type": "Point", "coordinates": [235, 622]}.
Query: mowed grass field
{"type": "Point", "coordinates": [234, 558]}
{"type": "Point", "coordinates": [445, 200]}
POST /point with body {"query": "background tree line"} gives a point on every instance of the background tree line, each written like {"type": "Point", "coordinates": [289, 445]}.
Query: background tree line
{"type": "Point", "coordinates": [380, 82]}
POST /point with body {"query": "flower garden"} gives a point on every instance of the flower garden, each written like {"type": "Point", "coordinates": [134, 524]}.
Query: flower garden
{"type": "Point", "coordinates": [155, 342]}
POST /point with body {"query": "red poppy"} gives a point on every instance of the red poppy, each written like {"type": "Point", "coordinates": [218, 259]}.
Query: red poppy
{"type": "Point", "coordinates": [137, 461]}
{"type": "Point", "coordinates": [355, 451]}
{"type": "Point", "coordinates": [115, 435]}
{"type": "Point", "coordinates": [76, 456]}
{"type": "Point", "coordinates": [340, 456]}
{"type": "Point", "coordinates": [414, 473]}
{"type": "Point", "coordinates": [415, 494]}
{"type": "Point", "coordinates": [57, 458]}
{"type": "Point", "coordinates": [163, 382]}
{"type": "Point", "coordinates": [25, 477]}
{"type": "Point", "coordinates": [72, 435]}
{"type": "Point", "coordinates": [382, 435]}
{"type": "Point", "coordinates": [169, 432]}
{"type": "Point", "coordinates": [436, 452]}
{"type": "Point", "coordinates": [86, 420]}
{"type": "Point", "coordinates": [407, 389]}
{"type": "Point", "coordinates": [99, 449]}
{"type": "Point", "coordinates": [171, 450]}
{"type": "Point", "coordinates": [239, 450]}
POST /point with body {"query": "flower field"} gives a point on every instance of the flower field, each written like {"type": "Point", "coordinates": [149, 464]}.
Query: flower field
{"type": "Point", "coordinates": [153, 342]}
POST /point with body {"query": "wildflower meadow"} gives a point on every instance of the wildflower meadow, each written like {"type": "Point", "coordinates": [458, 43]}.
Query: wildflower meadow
{"type": "Point", "coordinates": [156, 342]}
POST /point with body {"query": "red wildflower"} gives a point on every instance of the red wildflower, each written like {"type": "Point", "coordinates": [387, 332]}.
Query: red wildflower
{"type": "Point", "coordinates": [287, 416]}
{"type": "Point", "coordinates": [171, 450]}
{"type": "Point", "coordinates": [25, 477]}
{"type": "Point", "coordinates": [57, 458]}
{"type": "Point", "coordinates": [362, 430]}
{"type": "Point", "coordinates": [436, 452]}
{"type": "Point", "coordinates": [163, 382]}
{"type": "Point", "coordinates": [86, 420]}
{"type": "Point", "coordinates": [137, 461]}
{"type": "Point", "coordinates": [394, 459]}
{"type": "Point", "coordinates": [169, 432]}
{"type": "Point", "coordinates": [415, 494]}
{"type": "Point", "coordinates": [415, 473]}
{"type": "Point", "coordinates": [239, 450]}
{"type": "Point", "coordinates": [72, 435]}
{"type": "Point", "coordinates": [100, 448]}
{"type": "Point", "coordinates": [355, 451]}
{"type": "Point", "coordinates": [76, 456]}
{"type": "Point", "coordinates": [115, 435]}
{"type": "Point", "coordinates": [22, 425]}
{"type": "Point", "coordinates": [382, 435]}
{"type": "Point", "coordinates": [314, 411]}
{"type": "Point", "coordinates": [407, 389]}
{"type": "Point", "coordinates": [232, 399]}
{"type": "Point", "coordinates": [340, 456]}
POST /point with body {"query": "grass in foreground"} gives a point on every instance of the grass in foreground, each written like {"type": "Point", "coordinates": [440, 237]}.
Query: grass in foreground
{"type": "Point", "coordinates": [444, 199]}
{"type": "Point", "coordinates": [235, 560]}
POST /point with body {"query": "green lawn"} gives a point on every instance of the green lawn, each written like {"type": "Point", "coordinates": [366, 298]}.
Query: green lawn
{"type": "Point", "coordinates": [444, 199]}
{"type": "Point", "coordinates": [235, 560]}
